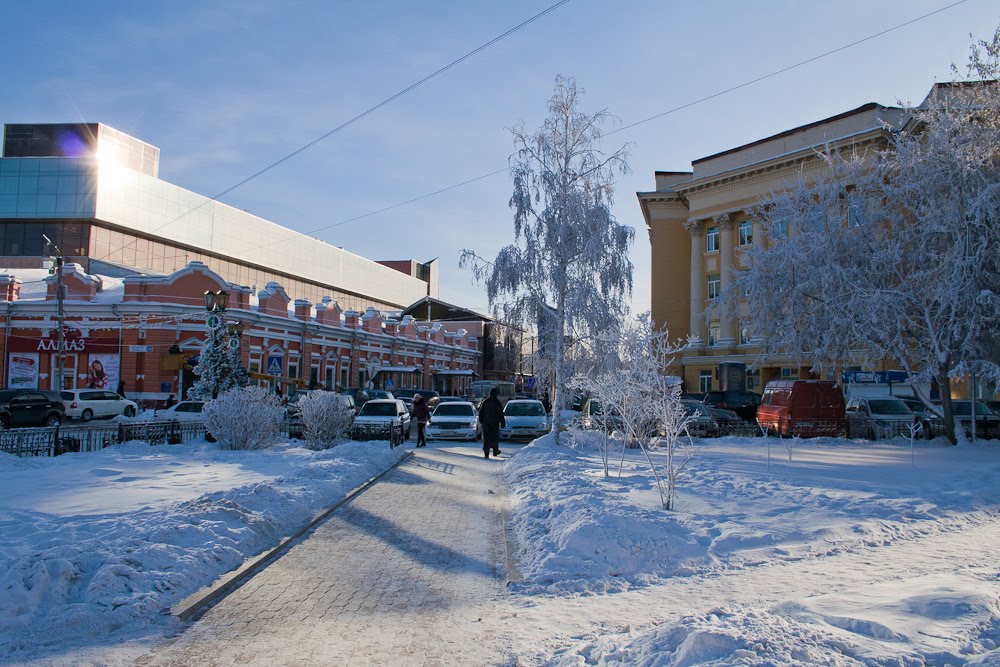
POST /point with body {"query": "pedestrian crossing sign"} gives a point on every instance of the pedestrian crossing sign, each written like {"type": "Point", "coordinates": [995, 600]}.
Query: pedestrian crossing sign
{"type": "Point", "coordinates": [274, 366]}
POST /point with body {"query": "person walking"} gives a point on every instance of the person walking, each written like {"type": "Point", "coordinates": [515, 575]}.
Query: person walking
{"type": "Point", "coordinates": [423, 415]}
{"type": "Point", "coordinates": [492, 419]}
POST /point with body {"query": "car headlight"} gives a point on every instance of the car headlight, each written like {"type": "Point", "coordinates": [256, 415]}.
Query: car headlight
{"type": "Point", "coordinates": [472, 424]}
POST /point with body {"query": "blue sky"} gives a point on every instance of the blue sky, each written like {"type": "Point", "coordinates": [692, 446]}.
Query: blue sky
{"type": "Point", "coordinates": [225, 88]}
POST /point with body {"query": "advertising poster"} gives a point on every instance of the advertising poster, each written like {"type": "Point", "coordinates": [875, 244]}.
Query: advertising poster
{"type": "Point", "coordinates": [103, 372]}
{"type": "Point", "coordinates": [23, 370]}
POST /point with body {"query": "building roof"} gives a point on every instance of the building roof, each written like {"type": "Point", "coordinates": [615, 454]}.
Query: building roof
{"type": "Point", "coordinates": [430, 309]}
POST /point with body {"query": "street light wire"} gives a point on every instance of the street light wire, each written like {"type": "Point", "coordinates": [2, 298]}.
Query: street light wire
{"type": "Point", "coordinates": [368, 112]}
{"type": "Point", "coordinates": [653, 117]}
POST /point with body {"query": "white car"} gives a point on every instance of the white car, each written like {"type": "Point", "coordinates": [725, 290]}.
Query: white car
{"type": "Point", "coordinates": [526, 419]}
{"type": "Point", "coordinates": [86, 404]}
{"type": "Point", "coordinates": [454, 420]}
{"type": "Point", "coordinates": [185, 411]}
{"type": "Point", "coordinates": [378, 414]}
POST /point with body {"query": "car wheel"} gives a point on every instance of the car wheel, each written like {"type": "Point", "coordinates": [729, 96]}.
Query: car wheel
{"type": "Point", "coordinates": [129, 411]}
{"type": "Point", "coordinates": [53, 420]}
{"type": "Point", "coordinates": [87, 415]}
{"type": "Point", "coordinates": [871, 434]}
{"type": "Point", "coordinates": [4, 424]}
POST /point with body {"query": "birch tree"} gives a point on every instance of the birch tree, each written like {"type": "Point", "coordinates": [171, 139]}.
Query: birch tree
{"type": "Point", "coordinates": [894, 253]}
{"type": "Point", "coordinates": [568, 264]}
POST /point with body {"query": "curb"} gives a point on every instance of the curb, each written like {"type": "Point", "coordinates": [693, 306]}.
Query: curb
{"type": "Point", "coordinates": [512, 573]}
{"type": "Point", "coordinates": [191, 607]}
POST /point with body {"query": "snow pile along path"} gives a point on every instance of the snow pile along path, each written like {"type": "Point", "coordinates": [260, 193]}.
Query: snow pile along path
{"type": "Point", "coordinates": [95, 543]}
{"type": "Point", "coordinates": [850, 553]}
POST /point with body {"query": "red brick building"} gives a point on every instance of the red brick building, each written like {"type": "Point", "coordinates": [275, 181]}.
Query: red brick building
{"type": "Point", "coordinates": [147, 331]}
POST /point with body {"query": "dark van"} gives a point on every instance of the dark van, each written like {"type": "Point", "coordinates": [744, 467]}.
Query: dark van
{"type": "Point", "coordinates": [803, 408]}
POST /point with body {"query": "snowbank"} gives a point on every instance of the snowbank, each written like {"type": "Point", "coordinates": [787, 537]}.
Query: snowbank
{"type": "Point", "coordinates": [848, 553]}
{"type": "Point", "coordinates": [93, 543]}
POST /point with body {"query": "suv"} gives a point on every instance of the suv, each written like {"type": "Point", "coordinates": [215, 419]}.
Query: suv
{"type": "Point", "coordinates": [377, 416]}
{"type": "Point", "coordinates": [85, 404]}
{"type": "Point", "coordinates": [30, 407]}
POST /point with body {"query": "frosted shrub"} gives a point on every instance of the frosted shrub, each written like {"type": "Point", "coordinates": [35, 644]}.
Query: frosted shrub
{"type": "Point", "coordinates": [326, 417]}
{"type": "Point", "coordinates": [247, 418]}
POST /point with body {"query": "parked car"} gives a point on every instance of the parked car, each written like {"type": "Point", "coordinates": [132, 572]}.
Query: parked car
{"type": "Point", "coordinates": [875, 417]}
{"type": "Point", "coordinates": [525, 419]}
{"type": "Point", "coordinates": [30, 407]}
{"type": "Point", "coordinates": [452, 399]}
{"type": "Point", "coordinates": [701, 423]}
{"type": "Point", "coordinates": [381, 394]}
{"type": "Point", "coordinates": [593, 415]}
{"type": "Point", "coordinates": [743, 403]}
{"type": "Point", "coordinates": [987, 423]}
{"type": "Point", "coordinates": [185, 411]}
{"type": "Point", "coordinates": [727, 420]}
{"type": "Point", "coordinates": [454, 420]}
{"type": "Point", "coordinates": [360, 396]}
{"type": "Point", "coordinates": [805, 408]}
{"type": "Point", "coordinates": [408, 402]}
{"type": "Point", "coordinates": [382, 412]}
{"type": "Point", "coordinates": [86, 404]}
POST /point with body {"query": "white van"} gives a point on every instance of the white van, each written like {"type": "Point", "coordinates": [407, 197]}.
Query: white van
{"type": "Point", "coordinates": [479, 390]}
{"type": "Point", "coordinates": [85, 404]}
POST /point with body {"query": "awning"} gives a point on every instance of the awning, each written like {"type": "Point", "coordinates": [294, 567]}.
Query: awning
{"type": "Point", "coordinates": [466, 371]}
{"type": "Point", "coordinates": [399, 369]}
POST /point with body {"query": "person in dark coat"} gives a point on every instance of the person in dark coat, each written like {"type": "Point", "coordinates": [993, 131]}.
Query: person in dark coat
{"type": "Point", "coordinates": [423, 415]}
{"type": "Point", "coordinates": [492, 419]}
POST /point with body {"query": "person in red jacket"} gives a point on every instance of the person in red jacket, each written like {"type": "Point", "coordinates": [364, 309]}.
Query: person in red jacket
{"type": "Point", "coordinates": [423, 415]}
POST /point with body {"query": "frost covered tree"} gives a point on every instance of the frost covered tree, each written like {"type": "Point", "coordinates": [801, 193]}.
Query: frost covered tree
{"type": "Point", "coordinates": [893, 254]}
{"type": "Point", "coordinates": [645, 399]}
{"type": "Point", "coordinates": [244, 418]}
{"type": "Point", "coordinates": [219, 366]}
{"type": "Point", "coordinates": [567, 272]}
{"type": "Point", "coordinates": [326, 417]}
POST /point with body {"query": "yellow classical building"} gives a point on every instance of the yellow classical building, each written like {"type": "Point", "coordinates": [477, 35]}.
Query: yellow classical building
{"type": "Point", "coordinates": [699, 222]}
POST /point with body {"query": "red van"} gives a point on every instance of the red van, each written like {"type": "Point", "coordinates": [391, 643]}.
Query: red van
{"type": "Point", "coordinates": [804, 408]}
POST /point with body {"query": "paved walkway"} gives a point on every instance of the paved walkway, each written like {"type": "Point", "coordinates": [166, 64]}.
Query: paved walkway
{"type": "Point", "coordinates": [408, 573]}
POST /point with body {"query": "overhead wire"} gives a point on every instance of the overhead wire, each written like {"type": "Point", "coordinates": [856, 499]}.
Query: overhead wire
{"type": "Point", "coordinates": [363, 114]}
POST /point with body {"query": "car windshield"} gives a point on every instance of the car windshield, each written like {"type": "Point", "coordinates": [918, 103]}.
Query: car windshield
{"type": "Point", "coordinates": [453, 410]}
{"type": "Point", "coordinates": [884, 406]}
{"type": "Point", "coordinates": [695, 409]}
{"type": "Point", "coordinates": [532, 409]}
{"type": "Point", "coordinates": [964, 408]}
{"type": "Point", "coordinates": [370, 409]}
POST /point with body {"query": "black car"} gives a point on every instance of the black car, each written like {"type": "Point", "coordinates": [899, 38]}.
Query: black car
{"type": "Point", "coordinates": [743, 403]}
{"type": "Point", "coordinates": [30, 407]}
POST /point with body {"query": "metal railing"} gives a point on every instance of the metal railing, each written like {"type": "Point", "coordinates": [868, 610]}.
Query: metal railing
{"type": "Point", "coordinates": [56, 440]}
{"type": "Point", "coordinates": [391, 431]}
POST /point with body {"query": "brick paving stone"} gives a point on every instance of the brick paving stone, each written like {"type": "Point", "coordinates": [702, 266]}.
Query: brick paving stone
{"type": "Point", "coordinates": [408, 573]}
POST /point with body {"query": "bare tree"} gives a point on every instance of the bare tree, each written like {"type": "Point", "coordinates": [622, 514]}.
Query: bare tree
{"type": "Point", "coordinates": [568, 271]}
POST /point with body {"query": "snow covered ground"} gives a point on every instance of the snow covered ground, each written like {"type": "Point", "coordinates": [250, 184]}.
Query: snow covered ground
{"type": "Point", "coordinates": [94, 546]}
{"type": "Point", "coordinates": [850, 553]}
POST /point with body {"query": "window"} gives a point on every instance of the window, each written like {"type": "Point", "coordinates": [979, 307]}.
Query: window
{"type": "Point", "coordinates": [713, 334]}
{"type": "Point", "coordinates": [753, 379]}
{"type": "Point", "coordinates": [714, 285]}
{"type": "Point", "coordinates": [781, 229]}
{"type": "Point", "coordinates": [712, 239]}
{"type": "Point", "coordinates": [746, 232]}
{"type": "Point", "coordinates": [856, 214]}
{"type": "Point", "coordinates": [704, 381]}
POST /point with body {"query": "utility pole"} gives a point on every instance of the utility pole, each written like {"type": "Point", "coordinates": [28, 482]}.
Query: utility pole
{"type": "Point", "coordinates": [60, 345]}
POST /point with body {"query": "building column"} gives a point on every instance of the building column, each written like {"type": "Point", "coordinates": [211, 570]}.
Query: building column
{"type": "Point", "coordinates": [727, 322]}
{"type": "Point", "coordinates": [697, 323]}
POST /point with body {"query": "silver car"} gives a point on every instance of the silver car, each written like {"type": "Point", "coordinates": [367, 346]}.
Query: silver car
{"type": "Point", "coordinates": [525, 420]}
{"type": "Point", "coordinates": [454, 420]}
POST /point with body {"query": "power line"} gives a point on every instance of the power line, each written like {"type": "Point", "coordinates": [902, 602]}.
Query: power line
{"type": "Point", "coordinates": [651, 118]}
{"type": "Point", "coordinates": [368, 112]}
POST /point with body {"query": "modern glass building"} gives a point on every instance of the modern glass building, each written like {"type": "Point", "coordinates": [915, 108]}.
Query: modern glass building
{"type": "Point", "coordinates": [95, 193]}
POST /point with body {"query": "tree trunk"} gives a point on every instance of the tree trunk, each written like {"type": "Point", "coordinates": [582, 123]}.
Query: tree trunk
{"type": "Point", "coordinates": [944, 388]}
